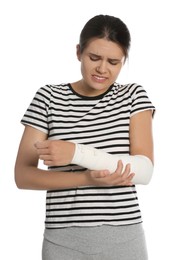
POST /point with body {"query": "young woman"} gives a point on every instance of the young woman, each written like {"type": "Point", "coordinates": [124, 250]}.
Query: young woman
{"type": "Point", "coordinates": [95, 136]}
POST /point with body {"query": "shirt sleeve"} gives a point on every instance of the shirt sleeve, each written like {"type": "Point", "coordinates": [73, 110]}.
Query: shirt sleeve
{"type": "Point", "coordinates": [140, 100]}
{"type": "Point", "coordinates": [37, 113]}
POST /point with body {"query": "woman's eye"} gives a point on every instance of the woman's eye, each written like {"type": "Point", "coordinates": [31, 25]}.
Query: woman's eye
{"type": "Point", "coordinates": [113, 62]}
{"type": "Point", "coordinates": [94, 58]}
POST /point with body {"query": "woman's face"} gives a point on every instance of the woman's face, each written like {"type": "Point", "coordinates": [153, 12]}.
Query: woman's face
{"type": "Point", "coordinates": [101, 62]}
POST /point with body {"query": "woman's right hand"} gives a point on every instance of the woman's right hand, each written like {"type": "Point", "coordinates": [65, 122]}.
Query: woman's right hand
{"type": "Point", "coordinates": [118, 178]}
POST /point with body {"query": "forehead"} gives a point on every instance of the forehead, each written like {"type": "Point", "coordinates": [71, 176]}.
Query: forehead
{"type": "Point", "coordinates": [104, 47]}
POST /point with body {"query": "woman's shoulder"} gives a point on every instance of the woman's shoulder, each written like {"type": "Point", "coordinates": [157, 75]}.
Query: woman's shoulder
{"type": "Point", "coordinates": [138, 96]}
{"type": "Point", "coordinates": [49, 89]}
{"type": "Point", "coordinates": [54, 87]}
{"type": "Point", "coordinates": [130, 88]}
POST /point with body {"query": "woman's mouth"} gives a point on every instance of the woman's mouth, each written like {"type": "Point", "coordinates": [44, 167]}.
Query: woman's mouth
{"type": "Point", "coordinates": [99, 79]}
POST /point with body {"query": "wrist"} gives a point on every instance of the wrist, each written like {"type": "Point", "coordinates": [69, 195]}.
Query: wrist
{"type": "Point", "coordinates": [71, 150]}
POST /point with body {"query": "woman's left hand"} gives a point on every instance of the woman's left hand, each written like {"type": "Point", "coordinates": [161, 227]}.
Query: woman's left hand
{"type": "Point", "coordinates": [55, 152]}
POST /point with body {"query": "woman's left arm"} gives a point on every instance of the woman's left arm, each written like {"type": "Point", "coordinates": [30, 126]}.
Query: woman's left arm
{"type": "Point", "coordinates": [141, 137]}
{"type": "Point", "coordinates": [140, 158]}
{"type": "Point", "coordinates": [56, 152]}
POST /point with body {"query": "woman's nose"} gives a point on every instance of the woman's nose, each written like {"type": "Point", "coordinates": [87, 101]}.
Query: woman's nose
{"type": "Point", "coordinates": [101, 68]}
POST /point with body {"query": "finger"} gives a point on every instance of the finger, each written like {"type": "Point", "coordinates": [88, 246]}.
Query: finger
{"type": "Point", "coordinates": [123, 177]}
{"type": "Point", "coordinates": [119, 167]}
{"type": "Point", "coordinates": [126, 171]}
{"type": "Point", "coordinates": [127, 184]}
{"type": "Point", "coordinates": [130, 177]}
{"type": "Point", "coordinates": [45, 157]}
{"type": "Point", "coordinates": [41, 145]}
{"type": "Point", "coordinates": [128, 180]}
{"type": "Point", "coordinates": [48, 163]}
{"type": "Point", "coordinates": [43, 151]}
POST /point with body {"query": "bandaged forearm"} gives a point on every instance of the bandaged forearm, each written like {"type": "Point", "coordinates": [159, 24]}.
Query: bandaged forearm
{"type": "Point", "coordinates": [96, 159]}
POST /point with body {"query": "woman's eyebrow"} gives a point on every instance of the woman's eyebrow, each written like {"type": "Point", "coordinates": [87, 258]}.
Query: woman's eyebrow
{"type": "Point", "coordinates": [93, 54]}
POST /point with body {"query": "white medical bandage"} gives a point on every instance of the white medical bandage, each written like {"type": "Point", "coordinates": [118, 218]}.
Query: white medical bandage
{"type": "Point", "coordinates": [95, 159]}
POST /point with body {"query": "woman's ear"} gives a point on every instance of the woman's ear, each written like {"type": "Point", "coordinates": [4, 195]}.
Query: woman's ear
{"type": "Point", "coordinates": [78, 52]}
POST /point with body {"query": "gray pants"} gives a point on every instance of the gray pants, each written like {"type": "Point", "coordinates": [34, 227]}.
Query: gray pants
{"type": "Point", "coordinates": [95, 243]}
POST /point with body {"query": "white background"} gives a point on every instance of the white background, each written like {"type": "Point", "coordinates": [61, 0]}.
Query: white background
{"type": "Point", "coordinates": [37, 47]}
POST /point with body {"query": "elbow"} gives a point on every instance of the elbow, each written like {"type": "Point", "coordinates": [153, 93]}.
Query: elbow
{"type": "Point", "coordinates": [144, 180]}
{"type": "Point", "coordinates": [147, 179]}
{"type": "Point", "coordinates": [19, 180]}
{"type": "Point", "coordinates": [19, 185]}
{"type": "Point", "coordinates": [148, 167]}
{"type": "Point", "coordinates": [144, 170]}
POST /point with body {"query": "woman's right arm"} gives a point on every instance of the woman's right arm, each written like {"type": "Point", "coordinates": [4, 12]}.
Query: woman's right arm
{"type": "Point", "coordinates": [29, 176]}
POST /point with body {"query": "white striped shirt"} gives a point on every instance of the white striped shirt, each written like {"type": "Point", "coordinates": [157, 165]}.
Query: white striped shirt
{"type": "Point", "coordinates": [103, 122]}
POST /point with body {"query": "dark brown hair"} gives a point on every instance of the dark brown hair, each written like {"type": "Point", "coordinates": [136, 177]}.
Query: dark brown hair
{"type": "Point", "coordinates": [106, 26]}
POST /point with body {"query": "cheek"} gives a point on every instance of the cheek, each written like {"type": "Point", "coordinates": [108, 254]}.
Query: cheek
{"type": "Point", "coordinates": [82, 69]}
{"type": "Point", "coordinates": [116, 72]}
{"type": "Point", "coordinates": [86, 68]}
